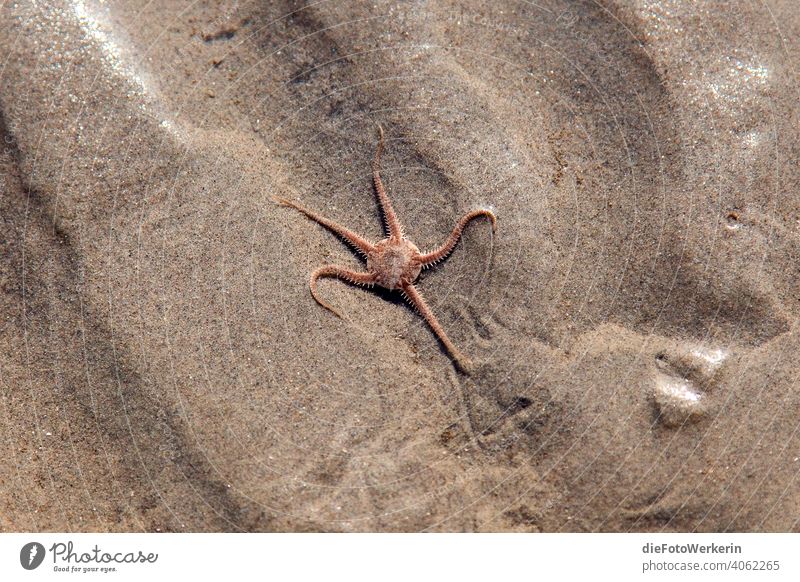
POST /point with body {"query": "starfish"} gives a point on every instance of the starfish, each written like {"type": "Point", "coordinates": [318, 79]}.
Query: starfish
{"type": "Point", "coordinates": [395, 262]}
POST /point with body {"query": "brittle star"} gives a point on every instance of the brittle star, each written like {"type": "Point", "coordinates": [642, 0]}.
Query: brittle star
{"type": "Point", "coordinates": [393, 263]}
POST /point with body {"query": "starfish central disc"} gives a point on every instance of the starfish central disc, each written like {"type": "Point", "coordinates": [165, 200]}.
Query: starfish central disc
{"type": "Point", "coordinates": [394, 263]}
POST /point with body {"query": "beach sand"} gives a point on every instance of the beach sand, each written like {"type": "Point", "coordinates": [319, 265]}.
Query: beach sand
{"type": "Point", "coordinates": [633, 322]}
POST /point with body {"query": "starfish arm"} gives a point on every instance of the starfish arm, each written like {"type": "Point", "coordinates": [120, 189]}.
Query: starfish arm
{"type": "Point", "coordinates": [358, 242]}
{"type": "Point", "coordinates": [413, 296]}
{"type": "Point", "coordinates": [392, 223]}
{"type": "Point", "coordinates": [341, 273]}
{"type": "Point", "coordinates": [433, 257]}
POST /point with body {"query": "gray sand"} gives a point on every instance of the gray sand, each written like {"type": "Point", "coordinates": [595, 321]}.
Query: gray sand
{"type": "Point", "coordinates": [634, 321]}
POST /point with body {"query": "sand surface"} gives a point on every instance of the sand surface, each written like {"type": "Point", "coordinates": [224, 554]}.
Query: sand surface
{"type": "Point", "coordinates": [634, 322]}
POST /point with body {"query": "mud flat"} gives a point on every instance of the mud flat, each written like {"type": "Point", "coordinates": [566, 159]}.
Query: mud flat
{"type": "Point", "coordinates": [633, 322]}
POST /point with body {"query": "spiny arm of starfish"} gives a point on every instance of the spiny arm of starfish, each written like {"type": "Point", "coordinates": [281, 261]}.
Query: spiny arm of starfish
{"type": "Point", "coordinates": [390, 218]}
{"type": "Point", "coordinates": [341, 273]}
{"type": "Point", "coordinates": [433, 257]}
{"type": "Point", "coordinates": [358, 242]}
{"type": "Point", "coordinates": [413, 296]}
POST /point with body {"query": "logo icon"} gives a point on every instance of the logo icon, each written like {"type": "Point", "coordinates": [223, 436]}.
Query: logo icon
{"type": "Point", "coordinates": [31, 555]}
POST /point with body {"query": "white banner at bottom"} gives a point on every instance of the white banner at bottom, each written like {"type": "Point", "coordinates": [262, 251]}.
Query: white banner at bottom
{"type": "Point", "coordinates": [371, 557]}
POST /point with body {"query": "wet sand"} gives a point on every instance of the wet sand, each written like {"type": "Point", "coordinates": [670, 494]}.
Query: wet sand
{"type": "Point", "coordinates": [633, 322]}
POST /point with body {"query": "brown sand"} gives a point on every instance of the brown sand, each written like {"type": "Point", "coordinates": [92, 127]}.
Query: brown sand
{"type": "Point", "coordinates": [634, 321]}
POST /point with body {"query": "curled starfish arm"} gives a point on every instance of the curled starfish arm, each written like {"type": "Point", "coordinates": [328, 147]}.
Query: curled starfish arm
{"type": "Point", "coordinates": [392, 222]}
{"type": "Point", "coordinates": [357, 241]}
{"type": "Point", "coordinates": [411, 293]}
{"type": "Point", "coordinates": [340, 273]}
{"type": "Point", "coordinates": [433, 257]}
